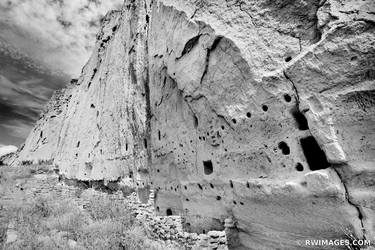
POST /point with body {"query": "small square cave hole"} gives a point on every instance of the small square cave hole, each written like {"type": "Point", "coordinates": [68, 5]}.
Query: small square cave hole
{"type": "Point", "coordinates": [169, 212]}
{"type": "Point", "coordinates": [208, 167]}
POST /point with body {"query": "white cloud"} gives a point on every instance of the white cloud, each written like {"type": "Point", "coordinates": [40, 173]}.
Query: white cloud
{"type": "Point", "coordinates": [4, 150]}
{"type": "Point", "coordinates": [58, 33]}
{"type": "Point", "coordinates": [42, 44]}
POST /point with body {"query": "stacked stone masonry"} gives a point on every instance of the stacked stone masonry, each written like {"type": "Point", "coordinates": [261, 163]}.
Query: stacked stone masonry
{"type": "Point", "coordinates": [164, 229]}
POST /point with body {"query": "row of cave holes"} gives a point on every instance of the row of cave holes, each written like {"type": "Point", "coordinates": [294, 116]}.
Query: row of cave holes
{"type": "Point", "coordinates": [126, 145]}
{"type": "Point", "coordinates": [287, 98]}
{"type": "Point", "coordinates": [315, 158]}
{"type": "Point", "coordinates": [218, 198]}
{"type": "Point", "coordinates": [298, 116]}
{"type": "Point", "coordinates": [168, 211]}
{"type": "Point", "coordinates": [299, 167]}
{"type": "Point", "coordinates": [314, 155]}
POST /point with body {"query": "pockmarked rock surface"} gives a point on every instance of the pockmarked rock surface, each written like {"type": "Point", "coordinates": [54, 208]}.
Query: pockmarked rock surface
{"type": "Point", "coordinates": [257, 117]}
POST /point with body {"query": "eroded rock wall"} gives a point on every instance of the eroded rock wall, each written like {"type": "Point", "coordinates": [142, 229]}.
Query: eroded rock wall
{"type": "Point", "coordinates": [44, 139]}
{"type": "Point", "coordinates": [260, 112]}
{"type": "Point", "coordinates": [100, 132]}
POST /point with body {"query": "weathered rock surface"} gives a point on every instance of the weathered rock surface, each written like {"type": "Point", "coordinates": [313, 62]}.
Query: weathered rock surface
{"type": "Point", "coordinates": [42, 146]}
{"type": "Point", "coordinates": [261, 113]}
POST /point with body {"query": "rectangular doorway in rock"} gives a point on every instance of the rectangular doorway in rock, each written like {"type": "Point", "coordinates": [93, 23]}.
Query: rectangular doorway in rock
{"type": "Point", "coordinates": [208, 167]}
{"type": "Point", "coordinates": [315, 156]}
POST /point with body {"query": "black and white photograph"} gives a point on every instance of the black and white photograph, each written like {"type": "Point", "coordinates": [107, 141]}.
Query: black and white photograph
{"type": "Point", "coordinates": [187, 124]}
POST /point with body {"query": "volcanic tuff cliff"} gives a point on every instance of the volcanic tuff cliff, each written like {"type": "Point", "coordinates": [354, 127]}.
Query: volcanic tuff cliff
{"type": "Point", "coordinates": [258, 111]}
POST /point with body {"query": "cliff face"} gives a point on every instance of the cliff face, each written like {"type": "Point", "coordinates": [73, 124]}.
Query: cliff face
{"type": "Point", "coordinates": [258, 111]}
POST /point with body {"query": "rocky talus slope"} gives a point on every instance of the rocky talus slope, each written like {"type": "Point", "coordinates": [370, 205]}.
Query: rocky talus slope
{"type": "Point", "coordinates": [257, 115]}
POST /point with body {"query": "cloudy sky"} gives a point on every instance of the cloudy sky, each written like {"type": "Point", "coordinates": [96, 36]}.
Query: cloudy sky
{"type": "Point", "coordinates": [43, 44]}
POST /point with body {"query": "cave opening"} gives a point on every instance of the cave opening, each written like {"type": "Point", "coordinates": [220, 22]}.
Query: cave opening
{"type": "Point", "coordinates": [208, 167]}
{"type": "Point", "coordinates": [195, 121]}
{"type": "Point", "coordinates": [169, 212]}
{"type": "Point", "coordinates": [159, 135]}
{"type": "Point", "coordinates": [284, 148]}
{"type": "Point", "coordinates": [300, 119]}
{"type": "Point", "coordinates": [299, 167]}
{"type": "Point", "coordinates": [315, 156]}
{"type": "Point", "coordinates": [287, 98]}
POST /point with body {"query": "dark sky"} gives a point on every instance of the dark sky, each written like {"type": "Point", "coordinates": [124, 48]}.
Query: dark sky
{"type": "Point", "coordinates": [24, 90]}
{"type": "Point", "coordinates": [43, 44]}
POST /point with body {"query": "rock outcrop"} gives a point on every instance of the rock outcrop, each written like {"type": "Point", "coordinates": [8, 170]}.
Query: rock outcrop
{"type": "Point", "coordinates": [258, 115]}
